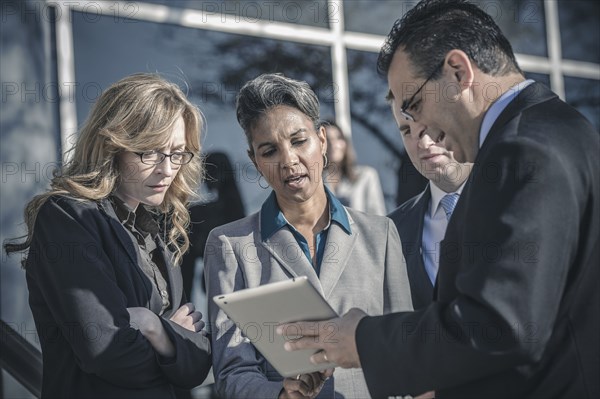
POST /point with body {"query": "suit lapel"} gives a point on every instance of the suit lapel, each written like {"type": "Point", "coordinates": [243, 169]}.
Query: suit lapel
{"type": "Point", "coordinates": [153, 297]}
{"type": "Point", "coordinates": [283, 247]}
{"type": "Point", "coordinates": [335, 257]}
{"type": "Point", "coordinates": [412, 226]}
{"type": "Point", "coordinates": [175, 279]}
{"type": "Point", "coordinates": [120, 232]}
{"type": "Point", "coordinates": [532, 95]}
{"type": "Point", "coordinates": [421, 273]}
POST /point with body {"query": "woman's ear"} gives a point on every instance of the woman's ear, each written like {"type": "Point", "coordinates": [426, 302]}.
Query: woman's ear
{"type": "Point", "coordinates": [322, 134]}
{"type": "Point", "coordinates": [461, 67]}
{"type": "Point", "coordinates": [253, 159]}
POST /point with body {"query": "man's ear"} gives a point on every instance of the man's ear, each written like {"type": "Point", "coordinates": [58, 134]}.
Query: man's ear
{"type": "Point", "coordinates": [461, 67]}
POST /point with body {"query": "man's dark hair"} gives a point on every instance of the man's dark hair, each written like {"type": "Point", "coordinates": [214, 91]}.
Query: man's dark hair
{"type": "Point", "coordinates": [434, 27]}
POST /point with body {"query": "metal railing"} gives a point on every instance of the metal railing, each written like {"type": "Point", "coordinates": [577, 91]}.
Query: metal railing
{"type": "Point", "coordinates": [21, 359]}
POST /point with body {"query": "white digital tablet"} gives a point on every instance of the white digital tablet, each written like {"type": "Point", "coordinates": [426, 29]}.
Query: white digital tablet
{"type": "Point", "coordinates": [258, 311]}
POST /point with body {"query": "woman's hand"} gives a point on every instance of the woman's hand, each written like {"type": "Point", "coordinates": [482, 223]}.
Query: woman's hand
{"type": "Point", "coordinates": [150, 326]}
{"type": "Point", "coordinates": [305, 386]}
{"type": "Point", "coordinates": [188, 317]}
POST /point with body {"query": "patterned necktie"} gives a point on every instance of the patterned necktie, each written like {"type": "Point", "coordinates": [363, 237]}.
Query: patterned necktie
{"type": "Point", "coordinates": [448, 203]}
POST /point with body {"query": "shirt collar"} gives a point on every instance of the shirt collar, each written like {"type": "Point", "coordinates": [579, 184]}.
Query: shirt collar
{"type": "Point", "coordinates": [272, 219]}
{"type": "Point", "coordinates": [498, 106]}
{"type": "Point", "coordinates": [437, 194]}
{"type": "Point", "coordinates": [139, 218]}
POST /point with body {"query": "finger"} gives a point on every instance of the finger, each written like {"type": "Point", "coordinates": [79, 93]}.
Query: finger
{"type": "Point", "coordinates": [182, 311]}
{"type": "Point", "coordinates": [320, 379]}
{"type": "Point", "coordinates": [199, 325]}
{"type": "Point", "coordinates": [313, 381]}
{"type": "Point", "coordinates": [327, 373]}
{"type": "Point", "coordinates": [195, 315]}
{"type": "Point", "coordinates": [295, 395]}
{"type": "Point", "coordinates": [302, 385]}
{"type": "Point", "coordinates": [320, 357]}
{"type": "Point", "coordinates": [190, 306]}
{"type": "Point", "coordinates": [297, 386]}
{"type": "Point", "coordinates": [303, 343]}
{"type": "Point", "coordinates": [293, 330]}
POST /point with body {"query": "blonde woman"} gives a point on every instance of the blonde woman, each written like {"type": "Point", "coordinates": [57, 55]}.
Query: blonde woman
{"type": "Point", "coordinates": [104, 286]}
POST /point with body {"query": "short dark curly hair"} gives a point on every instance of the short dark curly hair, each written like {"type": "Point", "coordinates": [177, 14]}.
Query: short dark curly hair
{"type": "Point", "coordinates": [271, 90]}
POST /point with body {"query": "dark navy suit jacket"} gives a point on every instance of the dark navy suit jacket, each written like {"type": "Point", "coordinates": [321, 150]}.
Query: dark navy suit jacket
{"type": "Point", "coordinates": [408, 218]}
{"type": "Point", "coordinates": [517, 296]}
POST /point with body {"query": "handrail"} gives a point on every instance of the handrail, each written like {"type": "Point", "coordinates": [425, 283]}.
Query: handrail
{"type": "Point", "coordinates": [20, 359]}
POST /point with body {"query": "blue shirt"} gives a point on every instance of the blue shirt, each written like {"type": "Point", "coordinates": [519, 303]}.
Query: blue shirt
{"type": "Point", "coordinates": [272, 219]}
{"type": "Point", "coordinates": [498, 106]}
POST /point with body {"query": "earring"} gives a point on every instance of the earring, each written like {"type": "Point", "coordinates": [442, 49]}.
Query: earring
{"type": "Point", "coordinates": [261, 186]}
{"type": "Point", "coordinates": [325, 161]}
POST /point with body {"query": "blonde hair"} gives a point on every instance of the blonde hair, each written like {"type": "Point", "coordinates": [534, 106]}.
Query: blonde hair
{"type": "Point", "coordinates": [136, 113]}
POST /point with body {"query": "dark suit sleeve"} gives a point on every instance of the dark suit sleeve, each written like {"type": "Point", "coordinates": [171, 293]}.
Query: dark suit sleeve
{"type": "Point", "coordinates": [77, 280]}
{"type": "Point", "coordinates": [519, 236]}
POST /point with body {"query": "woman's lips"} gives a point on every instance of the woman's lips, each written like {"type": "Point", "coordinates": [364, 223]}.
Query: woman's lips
{"type": "Point", "coordinates": [295, 181]}
{"type": "Point", "coordinates": [159, 187]}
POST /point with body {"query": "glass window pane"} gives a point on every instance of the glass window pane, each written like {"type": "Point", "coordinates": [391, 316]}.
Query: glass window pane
{"type": "Point", "coordinates": [213, 66]}
{"type": "Point", "coordinates": [313, 12]}
{"type": "Point", "coordinates": [579, 30]}
{"type": "Point", "coordinates": [374, 17]}
{"type": "Point", "coordinates": [584, 94]}
{"type": "Point", "coordinates": [521, 21]}
{"type": "Point", "coordinates": [375, 135]}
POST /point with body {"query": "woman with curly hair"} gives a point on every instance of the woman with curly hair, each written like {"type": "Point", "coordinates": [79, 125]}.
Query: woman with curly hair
{"type": "Point", "coordinates": [103, 248]}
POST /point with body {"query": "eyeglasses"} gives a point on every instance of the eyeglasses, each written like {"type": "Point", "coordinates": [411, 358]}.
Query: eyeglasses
{"type": "Point", "coordinates": [155, 157]}
{"type": "Point", "coordinates": [406, 104]}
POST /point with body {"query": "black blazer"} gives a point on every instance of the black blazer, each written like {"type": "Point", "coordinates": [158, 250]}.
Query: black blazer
{"type": "Point", "coordinates": [518, 296]}
{"type": "Point", "coordinates": [82, 274]}
{"type": "Point", "coordinates": [408, 218]}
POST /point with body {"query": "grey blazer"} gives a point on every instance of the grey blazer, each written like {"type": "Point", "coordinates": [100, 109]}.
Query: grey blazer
{"type": "Point", "coordinates": [365, 269]}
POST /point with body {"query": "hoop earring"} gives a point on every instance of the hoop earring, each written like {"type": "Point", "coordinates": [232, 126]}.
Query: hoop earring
{"type": "Point", "coordinates": [261, 186]}
{"type": "Point", "coordinates": [325, 161]}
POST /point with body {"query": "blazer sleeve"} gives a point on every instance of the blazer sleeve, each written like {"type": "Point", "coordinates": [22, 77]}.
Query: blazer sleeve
{"type": "Point", "coordinates": [191, 363]}
{"type": "Point", "coordinates": [527, 217]}
{"type": "Point", "coordinates": [77, 280]}
{"type": "Point", "coordinates": [240, 371]}
{"type": "Point", "coordinates": [396, 290]}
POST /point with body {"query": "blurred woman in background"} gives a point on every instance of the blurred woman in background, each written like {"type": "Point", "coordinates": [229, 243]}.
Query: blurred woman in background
{"type": "Point", "coordinates": [356, 186]}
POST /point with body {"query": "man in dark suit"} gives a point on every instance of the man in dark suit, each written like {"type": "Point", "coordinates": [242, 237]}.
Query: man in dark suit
{"type": "Point", "coordinates": [517, 296]}
{"type": "Point", "coordinates": [422, 220]}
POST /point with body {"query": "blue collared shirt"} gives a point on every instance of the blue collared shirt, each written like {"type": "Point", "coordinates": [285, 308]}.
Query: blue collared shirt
{"type": "Point", "coordinates": [272, 219]}
{"type": "Point", "coordinates": [498, 106]}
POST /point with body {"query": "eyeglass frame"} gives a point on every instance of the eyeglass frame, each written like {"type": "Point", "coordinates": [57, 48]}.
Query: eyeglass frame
{"type": "Point", "coordinates": [164, 156]}
{"type": "Point", "coordinates": [406, 104]}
